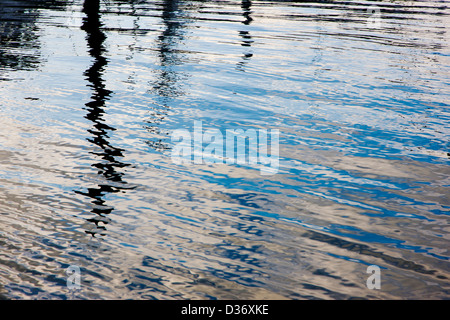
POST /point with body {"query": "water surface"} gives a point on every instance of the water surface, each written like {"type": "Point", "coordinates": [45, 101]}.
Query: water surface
{"type": "Point", "coordinates": [91, 95]}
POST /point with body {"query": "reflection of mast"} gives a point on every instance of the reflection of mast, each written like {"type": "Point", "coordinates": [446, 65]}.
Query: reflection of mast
{"type": "Point", "coordinates": [166, 86]}
{"type": "Point", "coordinates": [246, 6]}
{"type": "Point", "coordinates": [108, 154]}
{"type": "Point", "coordinates": [244, 34]}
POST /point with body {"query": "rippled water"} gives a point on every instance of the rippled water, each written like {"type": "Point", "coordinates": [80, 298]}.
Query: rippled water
{"type": "Point", "coordinates": [91, 94]}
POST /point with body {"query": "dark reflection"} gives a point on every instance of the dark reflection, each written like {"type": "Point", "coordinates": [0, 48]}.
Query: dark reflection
{"type": "Point", "coordinates": [167, 86]}
{"type": "Point", "coordinates": [245, 35]}
{"type": "Point", "coordinates": [19, 43]}
{"type": "Point", "coordinates": [246, 6]}
{"type": "Point", "coordinates": [366, 250]}
{"type": "Point", "coordinates": [109, 163]}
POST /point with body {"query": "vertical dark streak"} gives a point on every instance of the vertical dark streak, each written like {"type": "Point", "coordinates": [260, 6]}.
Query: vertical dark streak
{"type": "Point", "coordinates": [108, 154]}
{"type": "Point", "coordinates": [166, 86]}
{"type": "Point", "coordinates": [245, 35]}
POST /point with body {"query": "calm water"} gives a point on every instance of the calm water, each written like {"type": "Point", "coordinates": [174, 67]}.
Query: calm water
{"type": "Point", "coordinates": [90, 96]}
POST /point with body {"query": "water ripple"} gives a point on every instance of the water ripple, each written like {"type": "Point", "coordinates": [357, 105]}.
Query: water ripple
{"type": "Point", "coordinates": [92, 91]}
